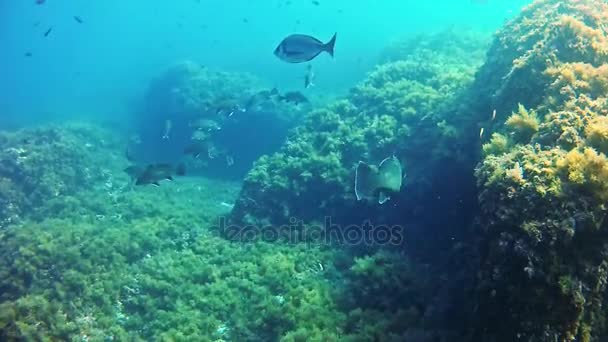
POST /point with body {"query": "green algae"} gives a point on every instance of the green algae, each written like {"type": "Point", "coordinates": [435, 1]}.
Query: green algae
{"type": "Point", "coordinates": [542, 191]}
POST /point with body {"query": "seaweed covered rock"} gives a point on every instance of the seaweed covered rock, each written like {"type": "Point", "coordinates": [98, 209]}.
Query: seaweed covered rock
{"type": "Point", "coordinates": [41, 164]}
{"type": "Point", "coordinates": [404, 107]}
{"type": "Point", "coordinates": [544, 176]}
{"type": "Point", "coordinates": [223, 120]}
{"type": "Point", "coordinates": [189, 89]}
{"type": "Point", "coordinates": [138, 269]}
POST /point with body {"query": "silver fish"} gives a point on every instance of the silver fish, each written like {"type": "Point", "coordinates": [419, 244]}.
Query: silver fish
{"type": "Point", "coordinates": [309, 77]}
{"type": "Point", "coordinates": [168, 126]}
{"type": "Point", "coordinates": [298, 48]}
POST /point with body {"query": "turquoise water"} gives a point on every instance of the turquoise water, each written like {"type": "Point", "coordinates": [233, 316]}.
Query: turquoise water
{"type": "Point", "coordinates": [165, 177]}
{"type": "Point", "coordinates": [98, 69]}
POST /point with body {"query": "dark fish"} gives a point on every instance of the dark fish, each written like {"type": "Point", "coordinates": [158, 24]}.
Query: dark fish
{"type": "Point", "coordinates": [196, 149]}
{"type": "Point", "coordinates": [373, 183]}
{"type": "Point", "coordinates": [228, 107]}
{"type": "Point", "coordinates": [260, 97]}
{"type": "Point", "coordinates": [39, 2]}
{"type": "Point", "coordinates": [155, 173]}
{"type": "Point", "coordinates": [134, 171]}
{"type": "Point", "coordinates": [298, 48]}
{"type": "Point", "coordinates": [206, 125]}
{"type": "Point", "coordinates": [46, 34]}
{"type": "Point", "coordinates": [28, 54]}
{"type": "Point", "coordinates": [78, 19]}
{"type": "Point", "coordinates": [315, 2]}
{"type": "Point", "coordinates": [294, 97]}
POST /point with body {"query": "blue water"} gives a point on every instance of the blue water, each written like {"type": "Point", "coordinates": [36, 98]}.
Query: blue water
{"type": "Point", "coordinates": [100, 69]}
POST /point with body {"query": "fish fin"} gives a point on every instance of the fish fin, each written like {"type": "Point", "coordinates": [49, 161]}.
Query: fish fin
{"type": "Point", "coordinates": [383, 197]}
{"type": "Point", "coordinates": [156, 184]}
{"type": "Point", "coordinates": [390, 174]}
{"type": "Point", "coordinates": [329, 47]}
{"type": "Point", "coordinates": [365, 181]}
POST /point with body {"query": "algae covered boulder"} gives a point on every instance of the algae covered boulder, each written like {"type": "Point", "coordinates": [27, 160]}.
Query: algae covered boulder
{"type": "Point", "coordinates": [405, 107]}
{"type": "Point", "coordinates": [41, 164]}
{"type": "Point", "coordinates": [220, 121]}
{"type": "Point", "coordinates": [542, 179]}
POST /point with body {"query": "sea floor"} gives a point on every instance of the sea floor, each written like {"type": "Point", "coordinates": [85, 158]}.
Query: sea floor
{"type": "Point", "coordinates": [150, 262]}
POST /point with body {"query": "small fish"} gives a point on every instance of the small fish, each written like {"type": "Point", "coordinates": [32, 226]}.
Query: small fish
{"type": "Point", "coordinates": [481, 133]}
{"type": "Point", "coordinates": [229, 161]}
{"type": "Point", "coordinates": [295, 97]}
{"type": "Point", "coordinates": [46, 34]}
{"type": "Point", "coordinates": [298, 48]}
{"type": "Point", "coordinates": [27, 54]}
{"type": "Point", "coordinates": [228, 107]}
{"type": "Point", "coordinates": [168, 126]}
{"type": "Point", "coordinates": [493, 114]}
{"type": "Point", "coordinates": [315, 2]}
{"type": "Point", "coordinates": [78, 19]}
{"type": "Point", "coordinates": [227, 205]}
{"type": "Point", "coordinates": [212, 152]}
{"type": "Point", "coordinates": [260, 96]}
{"type": "Point", "coordinates": [206, 125]}
{"type": "Point", "coordinates": [40, 2]}
{"type": "Point", "coordinates": [378, 182]}
{"type": "Point", "coordinates": [134, 171]}
{"type": "Point", "coordinates": [155, 173]}
{"type": "Point", "coordinates": [195, 149]}
{"type": "Point", "coordinates": [245, 21]}
{"type": "Point", "coordinates": [309, 77]}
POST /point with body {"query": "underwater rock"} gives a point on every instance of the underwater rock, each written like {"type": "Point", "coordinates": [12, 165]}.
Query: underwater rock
{"type": "Point", "coordinates": [40, 164]}
{"type": "Point", "coordinates": [206, 107]}
{"type": "Point", "coordinates": [542, 180]}
{"type": "Point", "coordinates": [407, 107]}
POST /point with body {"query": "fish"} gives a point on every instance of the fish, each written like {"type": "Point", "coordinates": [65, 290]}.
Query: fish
{"type": "Point", "coordinates": [380, 182]}
{"type": "Point", "coordinates": [78, 19]}
{"type": "Point", "coordinates": [228, 107]}
{"type": "Point", "coordinates": [227, 205]}
{"type": "Point", "coordinates": [315, 2]}
{"type": "Point", "coordinates": [294, 97]}
{"type": "Point", "coordinates": [134, 171]}
{"type": "Point", "coordinates": [493, 114]}
{"type": "Point", "coordinates": [309, 77]}
{"type": "Point", "coordinates": [259, 97]}
{"type": "Point", "coordinates": [481, 133]}
{"type": "Point", "coordinates": [206, 125]}
{"type": "Point", "coordinates": [154, 173]}
{"type": "Point", "coordinates": [27, 54]}
{"type": "Point", "coordinates": [229, 160]}
{"type": "Point", "coordinates": [168, 126]}
{"type": "Point", "coordinates": [298, 48]}
{"type": "Point", "coordinates": [195, 149]}
{"type": "Point", "coordinates": [40, 2]}
{"type": "Point", "coordinates": [46, 34]}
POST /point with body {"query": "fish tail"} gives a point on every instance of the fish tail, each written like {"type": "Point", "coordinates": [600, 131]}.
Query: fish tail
{"type": "Point", "coordinates": [329, 47]}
